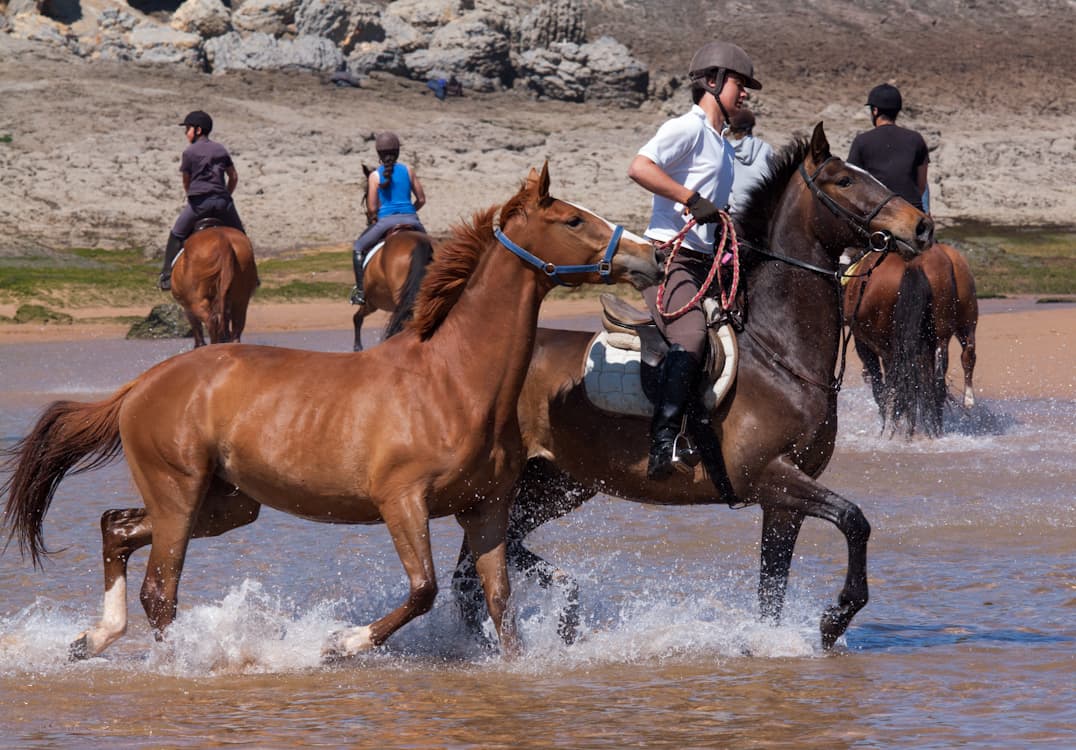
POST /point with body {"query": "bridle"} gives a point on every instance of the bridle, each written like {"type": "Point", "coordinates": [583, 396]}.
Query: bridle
{"type": "Point", "coordinates": [877, 242]}
{"type": "Point", "coordinates": [604, 267]}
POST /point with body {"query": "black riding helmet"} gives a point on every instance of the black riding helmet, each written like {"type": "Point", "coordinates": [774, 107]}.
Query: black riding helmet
{"type": "Point", "coordinates": [886, 98]}
{"type": "Point", "coordinates": [198, 119]}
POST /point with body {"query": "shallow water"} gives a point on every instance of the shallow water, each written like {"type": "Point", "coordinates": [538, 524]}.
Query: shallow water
{"type": "Point", "coordinates": [968, 639]}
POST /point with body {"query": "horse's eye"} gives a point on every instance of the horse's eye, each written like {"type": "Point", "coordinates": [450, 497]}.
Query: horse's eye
{"type": "Point", "coordinates": [575, 221]}
{"type": "Point", "coordinates": [844, 181]}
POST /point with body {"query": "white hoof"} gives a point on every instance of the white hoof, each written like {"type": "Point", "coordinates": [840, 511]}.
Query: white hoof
{"type": "Point", "coordinates": [345, 643]}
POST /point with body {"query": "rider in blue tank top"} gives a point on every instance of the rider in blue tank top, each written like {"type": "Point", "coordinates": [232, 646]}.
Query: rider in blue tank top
{"type": "Point", "coordinates": [388, 198]}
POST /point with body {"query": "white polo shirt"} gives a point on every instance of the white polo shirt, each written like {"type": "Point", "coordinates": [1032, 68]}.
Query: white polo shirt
{"type": "Point", "coordinates": [690, 151]}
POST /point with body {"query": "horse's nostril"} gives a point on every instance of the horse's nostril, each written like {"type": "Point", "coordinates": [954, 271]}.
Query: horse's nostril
{"type": "Point", "coordinates": [924, 232]}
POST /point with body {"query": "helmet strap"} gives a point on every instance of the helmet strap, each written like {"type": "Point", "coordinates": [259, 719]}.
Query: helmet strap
{"type": "Point", "coordinates": [715, 91]}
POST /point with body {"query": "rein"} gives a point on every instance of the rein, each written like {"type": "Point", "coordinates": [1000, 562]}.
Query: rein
{"type": "Point", "coordinates": [877, 242]}
{"type": "Point", "coordinates": [603, 268]}
{"type": "Point", "coordinates": [728, 238]}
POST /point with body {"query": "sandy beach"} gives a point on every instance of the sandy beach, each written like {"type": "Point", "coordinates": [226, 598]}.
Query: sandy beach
{"type": "Point", "coordinates": [1025, 350]}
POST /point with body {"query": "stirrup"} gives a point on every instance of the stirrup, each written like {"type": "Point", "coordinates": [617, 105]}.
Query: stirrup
{"type": "Point", "coordinates": [357, 296]}
{"type": "Point", "coordinates": [685, 454]}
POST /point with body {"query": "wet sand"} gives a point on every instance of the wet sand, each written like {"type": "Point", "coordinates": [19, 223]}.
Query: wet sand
{"type": "Point", "coordinates": [1024, 349]}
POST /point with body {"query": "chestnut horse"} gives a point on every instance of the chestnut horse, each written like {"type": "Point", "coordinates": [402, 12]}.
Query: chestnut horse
{"type": "Point", "coordinates": [402, 257]}
{"type": "Point", "coordinates": [777, 426]}
{"type": "Point", "coordinates": [422, 426]}
{"type": "Point", "coordinates": [903, 315]}
{"type": "Point", "coordinates": [401, 261]}
{"type": "Point", "coordinates": [213, 280]}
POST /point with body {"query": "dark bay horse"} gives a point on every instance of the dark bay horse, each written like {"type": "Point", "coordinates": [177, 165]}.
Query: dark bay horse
{"type": "Point", "coordinates": [213, 280]}
{"type": "Point", "coordinates": [422, 426]}
{"type": "Point", "coordinates": [778, 425]}
{"type": "Point", "coordinates": [903, 315]}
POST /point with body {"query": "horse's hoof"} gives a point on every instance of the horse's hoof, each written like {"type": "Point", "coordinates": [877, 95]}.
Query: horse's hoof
{"type": "Point", "coordinates": [344, 644]}
{"type": "Point", "coordinates": [833, 625]}
{"type": "Point", "coordinates": [79, 650]}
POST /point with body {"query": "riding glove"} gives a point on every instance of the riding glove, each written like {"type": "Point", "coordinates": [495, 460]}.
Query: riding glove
{"type": "Point", "coordinates": [702, 209]}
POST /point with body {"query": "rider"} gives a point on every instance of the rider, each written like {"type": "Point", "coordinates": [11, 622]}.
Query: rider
{"type": "Point", "coordinates": [753, 156]}
{"type": "Point", "coordinates": [896, 156]}
{"type": "Point", "coordinates": [388, 197]}
{"type": "Point", "coordinates": [688, 166]}
{"type": "Point", "coordinates": [209, 178]}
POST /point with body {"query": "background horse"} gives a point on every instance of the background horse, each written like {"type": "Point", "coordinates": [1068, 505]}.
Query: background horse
{"type": "Point", "coordinates": [422, 426]}
{"type": "Point", "coordinates": [213, 281]}
{"type": "Point", "coordinates": [903, 315]}
{"type": "Point", "coordinates": [401, 259]}
{"type": "Point", "coordinates": [400, 262]}
{"type": "Point", "coordinates": [778, 425]}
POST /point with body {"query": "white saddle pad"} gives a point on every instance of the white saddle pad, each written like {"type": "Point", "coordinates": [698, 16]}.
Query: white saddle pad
{"type": "Point", "coordinates": [612, 380]}
{"type": "Point", "coordinates": [372, 252]}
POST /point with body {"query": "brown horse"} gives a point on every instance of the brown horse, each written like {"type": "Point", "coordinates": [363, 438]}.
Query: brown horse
{"type": "Point", "coordinates": [903, 315]}
{"type": "Point", "coordinates": [422, 426]}
{"type": "Point", "coordinates": [401, 259]}
{"type": "Point", "coordinates": [778, 425]}
{"type": "Point", "coordinates": [213, 280]}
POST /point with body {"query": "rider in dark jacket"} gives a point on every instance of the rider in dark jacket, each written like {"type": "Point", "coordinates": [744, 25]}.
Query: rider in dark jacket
{"type": "Point", "coordinates": [209, 178]}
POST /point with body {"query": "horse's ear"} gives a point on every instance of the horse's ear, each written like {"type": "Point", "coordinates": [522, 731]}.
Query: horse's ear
{"type": "Point", "coordinates": [543, 181]}
{"type": "Point", "coordinates": [533, 178]}
{"type": "Point", "coordinates": [819, 145]}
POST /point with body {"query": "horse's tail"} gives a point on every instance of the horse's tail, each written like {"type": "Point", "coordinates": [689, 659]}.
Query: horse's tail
{"type": "Point", "coordinates": [911, 381]}
{"type": "Point", "coordinates": [220, 313]}
{"type": "Point", "coordinates": [69, 437]}
{"type": "Point", "coordinates": [421, 255]}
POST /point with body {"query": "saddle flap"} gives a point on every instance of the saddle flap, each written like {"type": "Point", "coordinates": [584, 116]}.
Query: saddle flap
{"type": "Point", "coordinates": [618, 315]}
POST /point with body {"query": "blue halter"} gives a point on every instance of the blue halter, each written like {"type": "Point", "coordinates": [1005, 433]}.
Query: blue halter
{"type": "Point", "coordinates": [604, 268]}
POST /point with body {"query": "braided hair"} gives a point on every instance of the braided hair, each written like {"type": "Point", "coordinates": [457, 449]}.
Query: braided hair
{"type": "Point", "coordinates": [388, 158]}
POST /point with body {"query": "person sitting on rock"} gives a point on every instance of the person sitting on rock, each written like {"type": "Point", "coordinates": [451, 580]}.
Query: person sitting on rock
{"type": "Point", "coordinates": [209, 179]}
{"type": "Point", "coordinates": [389, 194]}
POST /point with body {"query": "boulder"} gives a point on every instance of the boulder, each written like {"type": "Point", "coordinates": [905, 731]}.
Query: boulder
{"type": "Point", "coordinates": [616, 76]}
{"type": "Point", "coordinates": [427, 15]}
{"type": "Point", "coordinates": [345, 22]}
{"type": "Point", "coordinates": [551, 22]}
{"type": "Point", "coordinates": [165, 321]}
{"type": "Point", "coordinates": [468, 49]}
{"type": "Point", "coordinates": [207, 18]}
{"type": "Point", "coordinates": [273, 17]}
{"type": "Point", "coordinates": [261, 51]}
{"type": "Point", "coordinates": [153, 43]}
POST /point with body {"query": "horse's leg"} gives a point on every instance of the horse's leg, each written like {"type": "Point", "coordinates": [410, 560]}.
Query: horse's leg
{"type": "Point", "coordinates": [356, 320]}
{"type": "Point", "coordinates": [408, 521]}
{"type": "Point", "coordinates": [967, 362]}
{"type": "Point", "coordinates": [485, 526]}
{"type": "Point", "coordinates": [796, 493]}
{"type": "Point", "coordinates": [780, 529]}
{"type": "Point", "coordinates": [542, 494]}
{"type": "Point", "coordinates": [872, 374]}
{"type": "Point", "coordinates": [123, 532]}
{"type": "Point", "coordinates": [196, 326]}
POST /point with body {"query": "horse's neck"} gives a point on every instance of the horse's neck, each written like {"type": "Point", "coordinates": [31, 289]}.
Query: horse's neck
{"type": "Point", "coordinates": [489, 333]}
{"type": "Point", "coordinates": [795, 311]}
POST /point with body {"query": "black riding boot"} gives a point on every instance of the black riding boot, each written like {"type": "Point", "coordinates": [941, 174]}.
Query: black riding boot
{"type": "Point", "coordinates": [171, 250]}
{"type": "Point", "coordinates": [679, 377]}
{"type": "Point", "coordinates": [358, 294]}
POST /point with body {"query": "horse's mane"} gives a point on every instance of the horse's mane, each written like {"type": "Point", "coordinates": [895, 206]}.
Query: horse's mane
{"type": "Point", "coordinates": [455, 261]}
{"type": "Point", "coordinates": [448, 273]}
{"type": "Point", "coordinates": [760, 203]}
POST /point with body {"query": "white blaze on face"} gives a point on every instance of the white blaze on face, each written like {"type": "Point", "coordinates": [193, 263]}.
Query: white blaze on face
{"type": "Point", "coordinates": [628, 235]}
{"type": "Point", "coordinates": [865, 173]}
